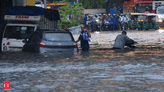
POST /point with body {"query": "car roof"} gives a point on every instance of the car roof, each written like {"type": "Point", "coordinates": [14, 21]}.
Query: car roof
{"type": "Point", "coordinates": [41, 31]}
{"type": "Point", "coordinates": [51, 31]}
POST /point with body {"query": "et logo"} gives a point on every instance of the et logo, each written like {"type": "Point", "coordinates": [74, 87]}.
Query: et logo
{"type": "Point", "coordinates": [6, 85]}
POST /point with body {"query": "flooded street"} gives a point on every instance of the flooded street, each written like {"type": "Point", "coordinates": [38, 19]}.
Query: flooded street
{"type": "Point", "coordinates": [99, 70]}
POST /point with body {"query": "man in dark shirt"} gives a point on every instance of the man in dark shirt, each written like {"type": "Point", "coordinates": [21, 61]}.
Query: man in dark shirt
{"type": "Point", "coordinates": [85, 19]}
{"type": "Point", "coordinates": [84, 43]}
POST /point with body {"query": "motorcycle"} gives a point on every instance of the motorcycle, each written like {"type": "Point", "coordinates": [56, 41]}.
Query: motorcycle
{"type": "Point", "coordinates": [123, 26]}
{"type": "Point", "coordinates": [89, 25]}
{"type": "Point", "coordinates": [97, 24]}
{"type": "Point", "coordinates": [108, 25]}
{"type": "Point", "coordinates": [132, 25]}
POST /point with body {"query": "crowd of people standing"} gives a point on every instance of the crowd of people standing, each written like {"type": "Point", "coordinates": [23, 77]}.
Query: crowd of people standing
{"type": "Point", "coordinates": [120, 41]}
{"type": "Point", "coordinates": [115, 20]}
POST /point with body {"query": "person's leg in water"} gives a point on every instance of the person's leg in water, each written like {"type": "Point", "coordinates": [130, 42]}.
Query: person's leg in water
{"type": "Point", "coordinates": [113, 27]}
{"type": "Point", "coordinates": [85, 49]}
{"type": "Point", "coordinates": [116, 26]}
{"type": "Point", "coordinates": [100, 26]}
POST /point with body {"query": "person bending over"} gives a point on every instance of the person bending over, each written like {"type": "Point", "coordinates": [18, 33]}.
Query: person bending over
{"type": "Point", "coordinates": [123, 40]}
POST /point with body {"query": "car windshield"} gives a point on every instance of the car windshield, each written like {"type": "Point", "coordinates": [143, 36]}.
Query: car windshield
{"type": "Point", "coordinates": [141, 17]}
{"type": "Point", "coordinates": [160, 11]}
{"type": "Point", "coordinates": [18, 32]}
{"type": "Point", "coordinates": [57, 37]}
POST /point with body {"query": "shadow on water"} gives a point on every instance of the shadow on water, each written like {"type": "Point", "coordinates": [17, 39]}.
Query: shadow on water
{"type": "Point", "coordinates": [20, 57]}
{"type": "Point", "coordinates": [94, 55]}
{"type": "Point", "coordinates": [124, 50]}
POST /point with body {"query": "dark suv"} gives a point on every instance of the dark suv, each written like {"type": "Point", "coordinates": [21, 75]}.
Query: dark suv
{"type": "Point", "coordinates": [43, 41]}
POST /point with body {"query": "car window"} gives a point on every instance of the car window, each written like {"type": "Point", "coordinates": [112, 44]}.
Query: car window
{"type": "Point", "coordinates": [18, 32]}
{"type": "Point", "coordinates": [160, 11]}
{"type": "Point", "coordinates": [57, 37]}
{"type": "Point", "coordinates": [141, 17]}
{"type": "Point", "coordinates": [35, 37]}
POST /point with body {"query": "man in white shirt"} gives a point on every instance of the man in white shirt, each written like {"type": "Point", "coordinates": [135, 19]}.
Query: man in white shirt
{"type": "Point", "coordinates": [124, 22]}
{"type": "Point", "coordinates": [123, 40]}
{"type": "Point", "coordinates": [120, 17]}
{"type": "Point", "coordinates": [124, 19]}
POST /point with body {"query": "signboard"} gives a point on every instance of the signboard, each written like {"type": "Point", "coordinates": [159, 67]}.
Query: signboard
{"type": "Point", "coordinates": [30, 2]}
{"type": "Point", "coordinates": [22, 18]}
{"type": "Point", "coordinates": [72, 3]}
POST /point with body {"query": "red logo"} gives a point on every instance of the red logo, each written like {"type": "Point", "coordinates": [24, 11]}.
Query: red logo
{"type": "Point", "coordinates": [6, 85]}
{"type": "Point", "coordinates": [22, 17]}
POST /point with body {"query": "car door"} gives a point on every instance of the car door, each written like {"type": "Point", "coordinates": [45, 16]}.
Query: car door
{"type": "Point", "coordinates": [32, 43]}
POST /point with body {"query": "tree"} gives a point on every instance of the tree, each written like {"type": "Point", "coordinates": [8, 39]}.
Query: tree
{"type": "Point", "coordinates": [95, 4]}
{"type": "Point", "coordinates": [75, 10]}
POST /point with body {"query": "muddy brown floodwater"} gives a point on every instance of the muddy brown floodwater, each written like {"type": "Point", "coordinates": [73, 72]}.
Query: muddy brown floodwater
{"type": "Point", "coordinates": [99, 70]}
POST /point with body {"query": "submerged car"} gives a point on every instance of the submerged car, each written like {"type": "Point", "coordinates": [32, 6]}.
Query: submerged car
{"type": "Point", "coordinates": [44, 41]}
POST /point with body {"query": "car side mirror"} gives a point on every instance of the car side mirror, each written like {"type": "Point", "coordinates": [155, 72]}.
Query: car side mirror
{"type": "Point", "coordinates": [24, 41]}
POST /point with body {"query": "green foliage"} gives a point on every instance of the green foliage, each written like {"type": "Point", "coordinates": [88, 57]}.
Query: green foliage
{"type": "Point", "coordinates": [95, 4]}
{"type": "Point", "coordinates": [48, 2]}
{"type": "Point", "coordinates": [55, 2]}
{"type": "Point", "coordinates": [76, 10]}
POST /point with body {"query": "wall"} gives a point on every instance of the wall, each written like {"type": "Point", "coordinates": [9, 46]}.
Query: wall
{"type": "Point", "coordinates": [94, 11]}
{"type": "Point", "coordinates": [19, 2]}
{"type": "Point", "coordinates": [125, 9]}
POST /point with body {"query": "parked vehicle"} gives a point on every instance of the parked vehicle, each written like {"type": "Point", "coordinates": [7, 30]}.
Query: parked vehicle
{"type": "Point", "coordinates": [147, 21]}
{"type": "Point", "coordinates": [139, 6]}
{"type": "Point", "coordinates": [152, 23]}
{"type": "Point", "coordinates": [158, 8]}
{"type": "Point", "coordinates": [156, 5]}
{"type": "Point", "coordinates": [143, 22]}
{"type": "Point", "coordinates": [23, 21]}
{"type": "Point", "coordinates": [133, 23]}
{"type": "Point", "coordinates": [50, 41]}
{"type": "Point", "coordinates": [136, 23]}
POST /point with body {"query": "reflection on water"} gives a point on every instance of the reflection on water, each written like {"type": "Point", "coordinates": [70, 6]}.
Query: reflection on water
{"type": "Point", "coordinates": [106, 70]}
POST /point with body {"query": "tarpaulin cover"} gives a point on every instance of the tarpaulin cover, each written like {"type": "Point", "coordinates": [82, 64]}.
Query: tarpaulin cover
{"type": "Point", "coordinates": [112, 11]}
{"type": "Point", "coordinates": [34, 11]}
{"type": "Point", "coordinates": [72, 3]}
{"type": "Point", "coordinates": [116, 10]}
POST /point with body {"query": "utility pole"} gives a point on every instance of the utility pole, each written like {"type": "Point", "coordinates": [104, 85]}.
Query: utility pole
{"type": "Point", "coordinates": [45, 4]}
{"type": "Point", "coordinates": [106, 1]}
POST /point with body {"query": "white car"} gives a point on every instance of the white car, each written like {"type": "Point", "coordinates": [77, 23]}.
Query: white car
{"type": "Point", "coordinates": [14, 34]}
